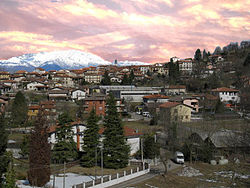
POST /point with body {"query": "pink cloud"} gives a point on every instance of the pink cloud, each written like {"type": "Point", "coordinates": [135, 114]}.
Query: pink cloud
{"type": "Point", "coordinates": [150, 31]}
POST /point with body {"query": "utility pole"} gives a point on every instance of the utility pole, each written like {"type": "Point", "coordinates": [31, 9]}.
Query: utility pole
{"type": "Point", "coordinates": [142, 150]}
{"type": "Point", "coordinates": [95, 160]}
{"type": "Point", "coordinates": [102, 160]}
{"type": "Point", "coordinates": [54, 179]}
{"type": "Point", "coordinates": [155, 154]}
{"type": "Point", "coordinates": [64, 166]}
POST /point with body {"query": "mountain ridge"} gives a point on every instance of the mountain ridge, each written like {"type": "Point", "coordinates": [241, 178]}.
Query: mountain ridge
{"type": "Point", "coordinates": [56, 60]}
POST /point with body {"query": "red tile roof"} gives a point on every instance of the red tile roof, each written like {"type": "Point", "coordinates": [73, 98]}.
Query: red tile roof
{"type": "Point", "coordinates": [169, 104]}
{"type": "Point", "coordinates": [156, 96]}
{"type": "Point", "coordinates": [224, 89]}
{"type": "Point", "coordinates": [34, 107]}
{"type": "Point", "coordinates": [127, 131]}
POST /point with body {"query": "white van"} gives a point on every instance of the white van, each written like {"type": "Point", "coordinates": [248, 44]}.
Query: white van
{"type": "Point", "coordinates": [179, 157]}
{"type": "Point", "coordinates": [145, 114]}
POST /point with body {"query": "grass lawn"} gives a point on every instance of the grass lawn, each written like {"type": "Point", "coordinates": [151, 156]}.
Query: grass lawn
{"type": "Point", "coordinates": [18, 137]}
{"type": "Point", "coordinates": [209, 178]}
{"type": "Point", "coordinates": [232, 124]}
{"type": "Point", "coordinates": [22, 166]}
{"type": "Point", "coordinates": [95, 170]}
{"type": "Point", "coordinates": [142, 126]}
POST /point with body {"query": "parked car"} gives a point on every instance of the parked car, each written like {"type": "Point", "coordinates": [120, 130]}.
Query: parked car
{"type": "Point", "coordinates": [179, 157]}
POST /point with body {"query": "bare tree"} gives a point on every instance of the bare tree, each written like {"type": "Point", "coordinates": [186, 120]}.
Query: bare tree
{"type": "Point", "coordinates": [39, 158]}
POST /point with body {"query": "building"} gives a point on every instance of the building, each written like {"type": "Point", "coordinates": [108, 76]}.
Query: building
{"type": "Point", "coordinates": [186, 66]}
{"type": "Point", "coordinates": [174, 112]}
{"type": "Point", "coordinates": [96, 101]}
{"type": "Point", "coordinates": [132, 136]}
{"type": "Point", "coordinates": [4, 75]}
{"type": "Point", "coordinates": [78, 94]}
{"type": "Point", "coordinates": [33, 111]}
{"type": "Point", "coordinates": [58, 94]}
{"type": "Point", "coordinates": [175, 90]}
{"type": "Point", "coordinates": [36, 86]}
{"type": "Point", "coordinates": [190, 101]}
{"type": "Point", "coordinates": [93, 77]}
{"type": "Point", "coordinates": [227, 94]}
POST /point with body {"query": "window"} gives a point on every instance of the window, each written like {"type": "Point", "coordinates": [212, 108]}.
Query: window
{"type": "Point", "coordinates": [100, 108]}
{"type": "Point", "coordinates": [186, 117]}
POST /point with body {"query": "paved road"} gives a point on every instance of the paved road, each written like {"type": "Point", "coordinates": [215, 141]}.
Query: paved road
{"type": "Point", "coordinates": [153, 172]}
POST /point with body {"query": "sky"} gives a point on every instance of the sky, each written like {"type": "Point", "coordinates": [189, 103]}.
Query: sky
{"type": "Point", "coordinates": [143, 30]}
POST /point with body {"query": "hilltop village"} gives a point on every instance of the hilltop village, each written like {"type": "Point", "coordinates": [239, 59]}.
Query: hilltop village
{"type": "Point", "coordinates": [199, 106]}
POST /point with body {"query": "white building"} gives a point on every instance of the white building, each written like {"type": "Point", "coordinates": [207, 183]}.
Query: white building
{"type": "Point", "coordinates": [227, 94]}
{"type": "Point", "coordinates": [130, 92]}
{"type": "Point", "coordinates": [78, 94]}
{"type": "Point", "coordinates": [186, 66]}
{"type": "Point", "coordinates": [132, 136]}
{"type": "Point", "coordinates": [35, 86]}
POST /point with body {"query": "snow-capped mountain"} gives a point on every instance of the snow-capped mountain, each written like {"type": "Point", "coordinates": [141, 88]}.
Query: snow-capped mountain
{"type": "Point", "coordinates": [69, 59]}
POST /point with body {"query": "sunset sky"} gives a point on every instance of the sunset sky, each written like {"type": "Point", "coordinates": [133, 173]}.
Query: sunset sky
{"type": "Point", "coordinates": [143, 30]}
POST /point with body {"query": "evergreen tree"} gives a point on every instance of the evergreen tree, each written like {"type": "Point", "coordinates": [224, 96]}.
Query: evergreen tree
{"type": "Point", "coordinates": [116, 151]}
{"type": "Point", "coordinates": [39, 157]}
{"type": "Point", "coordinates": [3, 145]}
{"type": "Point", "coordinates": [10, 175]}
{"type": "Point", "coordinates": [65, 148]}
{"type": "Point", "coordinates": [197, 55]}
{"type": "Point", "coordinates": [131, 76]}
{"type": "Point", "coordinates": [125, 80]}
{"type": "Point", "coordinates": [19, 110]}
{"type": "Point", "coordinates": [204, 55]}
{"type": "Point", "coordinates": [90, 140]}
{"type": "Point", "coordinates": [151, 149]}
{"type": "Point", "coordinates": [174, 72]}
{"type": "Point", "coordinates": [106, 79]}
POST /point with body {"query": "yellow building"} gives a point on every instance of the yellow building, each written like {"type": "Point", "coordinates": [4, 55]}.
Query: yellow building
{"type": "Point", "coordinates": [33, 111]}
{"type": "Point", "coordinates": [4, 75]}
{"type": "Point", "coordinates": [171, 112]}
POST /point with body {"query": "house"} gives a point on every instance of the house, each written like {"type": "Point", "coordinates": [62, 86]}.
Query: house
{"type": "Point", "coordinates": [171, 112]}
{"type": "Point", "coordinates": [78, 94]}
{"type": "Point", "coordinates": [227, 94]}
{"type": "Point", "coordinates": [96, 101]}
{"type": "Point", "coordinates": [152, 102]}
{"type": "Point", "coordinates": [159, 68]}
{"type": "Point", "coordinates": [132, 136]}
{"type": "Point", "coordinates": [186, 66]}
{"type": "Point", "coordinates": [5, 88]}
{"type": "Point", "coordinates": [221, 142]}
{"type": "Point", "coordinates": [78, 132]}
{"type": "Point", "coordinates": [93, 77]}
{"type": "Point", "coordinates": [4, 75]}
{"type": "Point", "coordinates": [39, 70]}
{"type": "Point", "coordinates": [190, 101]}
{"type": "Point", "coordinates": [157, 98]}
{"type": "Point", "coordinates": [49, 108]}
{"type": "Point", "coordinates": [33, 111]}
{"type": "Point", "coordinates": [58, 94]}
{"type": "Point", "coordinates": [13, 85]}
{"type": "Point", "coordinates": [36, 86]}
